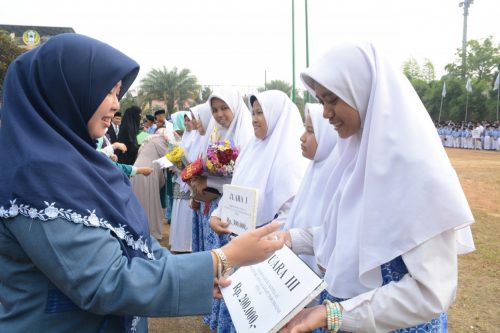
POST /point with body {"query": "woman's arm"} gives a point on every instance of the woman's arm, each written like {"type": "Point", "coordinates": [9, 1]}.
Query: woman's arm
{"type": "Point", "coordinates": [87, 265]}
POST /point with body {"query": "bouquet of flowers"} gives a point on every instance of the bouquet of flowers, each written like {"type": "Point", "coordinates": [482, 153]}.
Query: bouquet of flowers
{"type": "Point", "coordinates": [221, 158]}
{"type": "Point", "coordinates": [175, 155]}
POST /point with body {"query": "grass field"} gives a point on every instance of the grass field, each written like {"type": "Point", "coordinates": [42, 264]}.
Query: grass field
{"type": "Point", "coordinates": [477, 307]}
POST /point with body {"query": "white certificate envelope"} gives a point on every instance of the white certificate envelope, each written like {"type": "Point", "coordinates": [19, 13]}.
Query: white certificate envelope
{"type": "Point", "coordinates": [264, 297]}
{"type": "Point", "coordinates": [239, 208]}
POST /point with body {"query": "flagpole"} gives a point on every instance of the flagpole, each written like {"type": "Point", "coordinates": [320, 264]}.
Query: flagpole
{"type": "Point", "coordinates": [306, 94]}
{"type": "Point", "coordinates": [443, 93]}
{"type": "Point", "coordinates": [439, 118]}
{"type": "Point", "coordinates": [293, 51]}
{"type": "Point", "coordinates": [466, 104]}
{"type": "Point", "coordinates": [496, 86]}
{"type": "Point", "coordinates": [498, 96]}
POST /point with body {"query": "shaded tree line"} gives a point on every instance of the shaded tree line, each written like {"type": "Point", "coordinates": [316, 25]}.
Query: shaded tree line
{"type": "Point", "coordinates": [177, 88]}
{"type": "Point", "coordinates": [483, 66]}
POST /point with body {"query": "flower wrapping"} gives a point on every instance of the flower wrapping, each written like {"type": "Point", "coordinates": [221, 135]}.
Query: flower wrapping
{"type": "Point", "coordinates": [192, 170]}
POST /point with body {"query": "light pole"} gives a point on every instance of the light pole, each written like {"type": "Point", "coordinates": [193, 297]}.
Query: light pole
{"type": "Point", "coordinates": [465, 4]}
{"type": "Point", "coordinates": [306, 95]}
{"type": "Point", "coordinates": [293, 50]}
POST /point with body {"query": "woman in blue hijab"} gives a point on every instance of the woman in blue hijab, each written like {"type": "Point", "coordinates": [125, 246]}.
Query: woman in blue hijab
{"type": "Point", "coordinates": [75, 249]}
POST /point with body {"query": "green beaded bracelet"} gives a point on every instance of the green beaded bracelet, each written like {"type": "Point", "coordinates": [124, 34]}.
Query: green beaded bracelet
{"type": "Point", "coordinates": [333, 315]}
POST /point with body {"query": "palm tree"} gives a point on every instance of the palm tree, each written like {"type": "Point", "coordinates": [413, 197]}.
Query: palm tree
{"type": "Point", "coordinates": [173, 87]}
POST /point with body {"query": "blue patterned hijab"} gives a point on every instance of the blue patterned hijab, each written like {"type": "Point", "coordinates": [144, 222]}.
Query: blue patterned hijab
{"type": "Point", "coordinates": [49, 166]}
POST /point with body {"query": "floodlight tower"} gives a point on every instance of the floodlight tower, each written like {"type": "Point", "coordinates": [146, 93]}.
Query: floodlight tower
{"type": "Point", "coordinates": [465, 4]}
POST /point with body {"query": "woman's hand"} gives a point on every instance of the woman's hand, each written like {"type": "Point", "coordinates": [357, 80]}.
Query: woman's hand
{"type": "Point", "coordinates": [146, 171]}
{"type": "Point", "coordinates": [306, 320]}
{"type": "Point", "coordinates": [113, 157]}
{"type": "Point", "coordinates": [119, 146]}
{"type": "Point", "coordinates": [254, 246]}
{"type": "Point", "coordinates": [218, 226]}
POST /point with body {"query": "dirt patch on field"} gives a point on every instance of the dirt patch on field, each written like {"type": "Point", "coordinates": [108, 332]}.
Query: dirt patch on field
{"type": "Point", "coordinates": [477, 308]}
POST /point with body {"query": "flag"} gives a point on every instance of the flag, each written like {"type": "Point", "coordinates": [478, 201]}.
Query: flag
{"type": "Point", "coordinates": [497, 82]}
{"type": "Point", "coordinates": [444, 90]}
{"type": "Point", "coordinates": [468, 86]}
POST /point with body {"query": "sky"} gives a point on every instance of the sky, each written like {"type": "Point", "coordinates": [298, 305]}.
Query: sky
{"type": "Point", "coordinates": [243, 43]}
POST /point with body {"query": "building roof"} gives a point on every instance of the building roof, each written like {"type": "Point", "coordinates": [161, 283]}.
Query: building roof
{"type": "Point", "coordinates": [18, 30]}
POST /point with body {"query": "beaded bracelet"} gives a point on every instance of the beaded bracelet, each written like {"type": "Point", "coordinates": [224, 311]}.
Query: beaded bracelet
{"type": "Point", "coordinates": [333, 315]}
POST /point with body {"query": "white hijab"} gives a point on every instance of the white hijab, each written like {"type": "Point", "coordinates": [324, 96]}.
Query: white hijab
{"type": "Point", "coordinates": [307, 205]}
{"type": "Point", "coordinates": [203, 113]}
{"type": "Point", "coordinates": [393, 186]}
{"type": "Point", "coordinates": [188, 136]}
{"type": "Point", "coordinates": [240, 130]}
{"type": "Point", "coordinates": [273, 165]}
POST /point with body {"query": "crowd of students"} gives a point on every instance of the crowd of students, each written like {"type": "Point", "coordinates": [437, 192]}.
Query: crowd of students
{"type": "Point", "coordinates": [481, 135]}
{"type": "Point", "coordinates": [349, 182]}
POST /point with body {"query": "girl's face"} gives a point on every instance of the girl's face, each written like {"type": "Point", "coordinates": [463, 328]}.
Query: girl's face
{"type": "Point", "coordinates": [221, 112]}
{"type": "Point", "coordinates": [344, 118]}
{"type": "Point", "coordinates": [188, 124]}
{"type": "Point", "coordinates": [308, 141]}
{"type": "Point", "coordinates": [101, 119]}
{"type": "Point", "coordinates": [258, 121]}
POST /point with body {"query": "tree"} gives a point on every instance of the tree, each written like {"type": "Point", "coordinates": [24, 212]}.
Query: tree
{"type": "Point", "coordinates": [127, 101]}
{"type": "Point", "coordinates": [277, 85]}
{"type": "Point", "coordinates": [172, 87]}
{"type": "Point", "coordinates": [205, 94]}
{"type": "Point", "coordinates": [287, 89]}
{"type": "Point", "coordinates": [428, 74]}
{"type": "Point", "coordinates": [483, 58]}
{"type": "Point", "coordinates": [8, 52]}
{"type": "Point", "coordinates": [411, 69]}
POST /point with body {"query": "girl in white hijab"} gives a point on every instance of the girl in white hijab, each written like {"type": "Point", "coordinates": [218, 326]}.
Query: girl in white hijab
{"type": "Point", "coordinates": [230, 120]}
{"type": "Point", "coordinates": [317, 143]}
{"type": "Point", "coordinates": [201, 116]}
{"type": "Point", "coordinates": [180, 236]}
{"type": "Point", "coordinates": [272, 163]}
{"type": "Point", "coordinates": [397, 212]}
